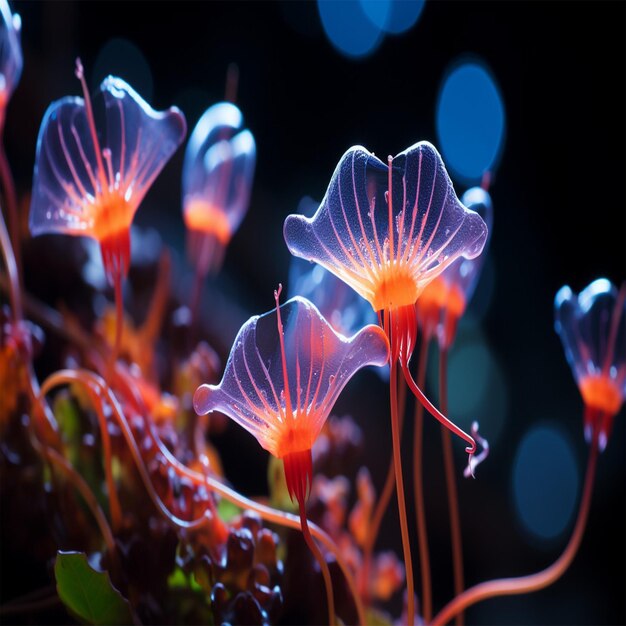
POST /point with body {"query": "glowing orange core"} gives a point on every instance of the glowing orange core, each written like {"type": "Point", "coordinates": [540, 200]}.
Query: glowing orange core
{"type": "Point", "coordinates": [112, 216]}
{"type": "Point", "coordinates": [204, 217]}
{"type": "Point", "coordinates": [294, 439]}
{"type": "Point", "coordinates": [600, 392]}
{"type": "Point", "coordinates": [394, 287]}
{"type": "Point", "coordinates": [442, 295]}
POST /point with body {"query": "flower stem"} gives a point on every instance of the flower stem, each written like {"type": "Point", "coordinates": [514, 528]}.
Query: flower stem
{"type": "Point", "coordinates": [12, 271]}
{"type": "Point", "coordinates": [382, 503]}
{"type": "Point", "coordinates": [539, 580]}
{"type": "Point", "coordinates": [10, 201]}
{"type": "Point", "coordinates": [397, 462]}
{"type": "Point", "coordinates": [418, 486]}
{"type": "Point", "coordinates": [453, 499]}
{"type": "Point", "coordinates": [321, 561]}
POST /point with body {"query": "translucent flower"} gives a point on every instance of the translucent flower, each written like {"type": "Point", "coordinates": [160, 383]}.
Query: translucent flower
{"type": "Point", "coordinates": [11, 60]}
{"type": "Point", "coordinates": [217, 179]}
{"type": "Point", "coordinates": [592, 327]}
{"type": "Point", "coordinates": [388, 230]}
{"type": "Point", "coordinates": [284, 373]}
{"type": "Point", "coordinates": [95, 163]}
{"type": "Point", "coordinates": [444, 300]}
{"type": "Point", "coordinates": [343, 307]}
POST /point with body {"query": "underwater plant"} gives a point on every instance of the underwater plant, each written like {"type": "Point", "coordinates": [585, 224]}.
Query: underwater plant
{"type": "Point", "coordinates": [387, 231]}
{"type": "Point", "coordinates": [592, 327]}
{"type": "Point", "coordinates": [217, 179]}
{"type": "Point", "coordinates": [343, 307]}
{"type": "Point", "coordinates": [11, 62]}
{"type": "Point", "coordinates": [281, 386]}
{"type": "Point", "coordinates": [94, 164]}
{"type": "Point", "coordinates": [127, 495]}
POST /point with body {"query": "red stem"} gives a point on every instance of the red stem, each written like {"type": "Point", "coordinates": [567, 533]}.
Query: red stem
{"type": "Point", "coordinates": [10, 199]}
{"type": "Point", "coordinates": [397, 462]}
{"type": "Point", "coordinates": [453, 499]}
{"type": "Point", "coordinates": [321, 561]}
{"type": "Point", "coordinates": [12, 271]}
{"type": "Point", "coordinates": [381, 505]}
{"type": "Point", "coordinates": [539, 580]}
{"type": "Point", "coordinates": [432, 409]}
{"type": "Point", "coordinates": [418, 486]}
{"type": "Point", "coordinates": [119, 322]}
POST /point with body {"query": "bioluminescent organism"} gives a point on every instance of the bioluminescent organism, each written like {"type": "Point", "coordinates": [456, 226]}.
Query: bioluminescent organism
{"type": "Point", "coordinates": [11, 60]}
{"type": "Point", "coordinates": [217, 178]}
{"type": "Point", "coordinates": [345, 309]}
{"type": "Point", "coordinates": [387, 231]}
{"type": "Point", "coordinates": [592, 327]}
{"type": "Point", "coordinates": [284, 373]}
{"type": "Point", "coordinates": [470, 121]}
{"type": "Point", "coordinates": [444, 300]}
{"type": "Point", "coordinates": [94, 164]}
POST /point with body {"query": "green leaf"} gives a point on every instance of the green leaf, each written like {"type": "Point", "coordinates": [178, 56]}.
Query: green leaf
{"type": "Point", "coordinates": [279, 494]}
{"type": "Point", "coordinates": [87, 593]}
{"type": "Point", "coordinates": [67, 415]}
{"type": "Point", "coordinates": [227, 510]}
{"type": "Point", "coordinates": [179, 580]}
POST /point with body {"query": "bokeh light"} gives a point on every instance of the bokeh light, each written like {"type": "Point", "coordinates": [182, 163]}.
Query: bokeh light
{"type": "Point", "coordinates": [121, 57]}
{"type": "Point", "coordinates": [349, 28]}
{"type": "Point", "coordinates": [470, 121]}
{"type": "Point", "coordinates": [477, 384]}
{"type": "Point", "coordinates": [482, 299]}
{"type": "Point", "coordinates": [393, 16]}
{"type": "Point", "coordinates": [545, 482]}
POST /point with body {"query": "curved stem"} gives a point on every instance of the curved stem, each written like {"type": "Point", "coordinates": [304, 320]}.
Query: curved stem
{"type": "Point", "coordinates": [432, 409]}
{"type": "Point", "coordinates": [381, 505]}
{"type": "Point", "coordinates": [288, 520]}
{"type": "Point", "coordinates": [418, 486]}
{"type": "Point", "coordinates": [10, 199]}
{"type": "Point", "coordinates": [57, 379]}
{"type": "Point", "coordinates": [397, 462]}
{"type": "Point", "coordinates": [321, 561]}
{"type": "Point", "coordinates": [532, 582]}
{"type": "Point", "coordinates": [12, 271]}
{"type": "Point", "coordinates": [82, 487]}
{"type": "Point", "coordinates": [453, 499]}
{"type": "Point", "coordinates": [87, 378]}
{"type": "Point", "coordinates": [269, 514]}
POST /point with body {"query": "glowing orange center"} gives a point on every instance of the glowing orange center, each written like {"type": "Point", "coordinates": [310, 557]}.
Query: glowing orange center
{"type": "Point", "coordinates": [294, 439]}
{"type": "Point", "coordinates": [441, 295]}
{"type": "Point", "coordinates": [112, 215]}
{"type": "Point", "coordinates": [394, 287]}
{"type": "Point", "coordinates": [600, 392]}
{"type": "Point", "coordinates": [202, 216]}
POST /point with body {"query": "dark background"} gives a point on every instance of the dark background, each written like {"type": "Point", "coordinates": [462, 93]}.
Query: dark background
{"type": "Point", "coordinates": [559, 219]}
